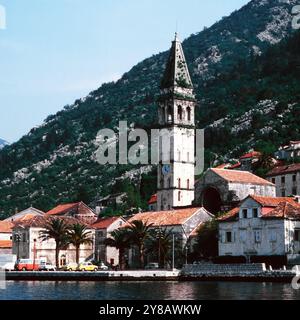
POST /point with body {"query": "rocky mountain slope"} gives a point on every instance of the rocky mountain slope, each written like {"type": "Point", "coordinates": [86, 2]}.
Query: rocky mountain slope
{"type": "Point", "coordinates": [55, 162]}
{"type": "Point", "coordinates": [3, 143]}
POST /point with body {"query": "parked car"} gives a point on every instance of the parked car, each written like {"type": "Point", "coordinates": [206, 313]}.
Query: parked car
{"type": "Point", "coordinates": [8, 266]}
{"type": "Point", "coordinates": [28, 265]}
{"type": "Point", "coordinates": [103, 267]}
{"type": "Point", "coordinates": [45, 266]}
{"type": "Point", "coordinates": [152, 266]}
{"type": "Point", "coordinates": [87, 266]}
{"type": "Point", "coordinates": [70, 267]}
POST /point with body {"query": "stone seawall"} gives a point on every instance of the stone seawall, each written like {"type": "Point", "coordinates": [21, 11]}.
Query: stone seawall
{"type": "Point", "coordinates": [235, 272]}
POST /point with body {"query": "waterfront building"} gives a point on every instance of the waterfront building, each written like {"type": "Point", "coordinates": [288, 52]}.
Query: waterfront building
{"type": "Point", "coordinates": [25, 214]}
{"type": "Point", "coordinates": [219, 190]}
{"type": "Point", "coordinates": [181, 223]}
{"type": "Point", "coordinates": [6, 237]}
{"type": "Point", "coordinates": [103, 229]}
{"type": "Point", "coordinates": [78, 210]}
{"type": "Point", "coordinates": [261, 229]}
{"type": "Point", "coordinates": [287, 180]}
{"type": "Point", "coordinates": [28, 245]}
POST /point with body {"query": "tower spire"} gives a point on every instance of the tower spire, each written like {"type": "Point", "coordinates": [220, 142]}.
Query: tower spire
{"type": "Point", "coordinates": [176, 73]}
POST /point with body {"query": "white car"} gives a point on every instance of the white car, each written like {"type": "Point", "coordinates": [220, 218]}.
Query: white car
{"type": "Point", "coordinates": [103, 267]}
{"type": "Point", "coordinates": [47, 267]}
{"type": "Point", "coordinates": [8, 266]}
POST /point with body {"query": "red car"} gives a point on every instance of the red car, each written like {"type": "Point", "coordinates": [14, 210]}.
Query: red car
{"type": "Point", "coordinates": [28, 265]}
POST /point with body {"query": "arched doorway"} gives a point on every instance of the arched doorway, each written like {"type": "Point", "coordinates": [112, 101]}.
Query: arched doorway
{"type": "Point", "coordinates": [211, 200]}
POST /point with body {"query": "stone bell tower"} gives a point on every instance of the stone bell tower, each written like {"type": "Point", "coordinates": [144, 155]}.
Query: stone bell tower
{"type": "Point", "coordinates": [176, 116]}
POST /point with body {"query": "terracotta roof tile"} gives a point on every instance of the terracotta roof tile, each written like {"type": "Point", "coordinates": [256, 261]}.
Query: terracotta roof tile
{"type": "Point", "coordinates": [40, 221]}
{"type": "Point", "coordinates": [250, 155]}
{"type": "Point", "coordinates": [5, 244]}
{"type": "Point", "coordinates": [240, 177]}
{"type": "Point", "coordinates": [284, 210]}
{"type": "Point", "coordinates": [166, 218]}
{"type": "Point", "coordinates": [281, 170]}
{"type": "Point", "coordinates": [235, 166]}
{"type": "Point", "coordinates": [104, 223]}
{"type": "Point", "coordinates": [153, 199]}
{"type": "Point", "coordinates": [6, 227]}
{"type": "Point", "coordinates": [62, 208]}
{"type": "Point", "coordinates": [230, 216]}
{"type": "Point", "coordinates": [271, 201]}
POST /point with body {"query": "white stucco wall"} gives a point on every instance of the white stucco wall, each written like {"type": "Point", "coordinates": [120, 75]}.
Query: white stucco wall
{"type": "Point", "coordinates": [271, 233]}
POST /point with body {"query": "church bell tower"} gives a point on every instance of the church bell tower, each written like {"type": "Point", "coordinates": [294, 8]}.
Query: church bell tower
{"type": "Point", "coordinates": [176, 117]}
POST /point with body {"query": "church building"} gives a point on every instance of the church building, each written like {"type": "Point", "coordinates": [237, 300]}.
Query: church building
{"type": "Point", "coordinates": [176, 117]}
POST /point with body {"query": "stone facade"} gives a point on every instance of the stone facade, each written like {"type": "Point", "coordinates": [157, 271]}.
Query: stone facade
{"type": "Point", "coordinates": [286, 179]}
{"type": "Point", "coordinates": [253, 231]}
{"type": "Point", "coordinates": [103, 229]}
{"type": "Point", "coordinates": [216, 192]}
{"type": "Point", "coordinates": [176, 116]}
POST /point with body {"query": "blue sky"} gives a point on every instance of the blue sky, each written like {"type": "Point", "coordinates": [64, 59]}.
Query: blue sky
{"type": "Point", "coordinates": [55, 51]}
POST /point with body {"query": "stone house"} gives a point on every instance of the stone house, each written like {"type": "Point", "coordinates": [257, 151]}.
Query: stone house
{"type": "Point", "coordinates": [6, 237]}
{"type": "Point", "coordinates": [152, 203]}
{"type": "Point", "coordinates": [287, 180]}
{"type": "Point", "coordinates": [221, 189]}
{"type": "Point", "coordinates": [25, 214]}
{"type": "Point", "coordinates": [288, 152]}
{"type": "Point", "coordinates": [103, 229]}
{"type": "Point", "coordinates": [261, 229]}
{"type": "Point", "coordinates": [78, 210]}
{"type": "Point", "coordinates": [28, 245]}
{"type": "Point", "coordinates": [182, 223]}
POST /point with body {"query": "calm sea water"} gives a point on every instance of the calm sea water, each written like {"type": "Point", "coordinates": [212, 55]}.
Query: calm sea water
{"type": "Point", "coordinates": [147, 290]}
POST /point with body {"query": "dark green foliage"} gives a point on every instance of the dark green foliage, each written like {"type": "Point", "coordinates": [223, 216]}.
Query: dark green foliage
{"type": "Point", "coordinates": [207, 240]}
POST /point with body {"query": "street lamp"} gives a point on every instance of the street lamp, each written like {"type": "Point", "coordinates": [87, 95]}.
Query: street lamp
{"type": "Point", "coordinates": [158, 237]}
{"type": "Point", "coordinates": [18, 240]}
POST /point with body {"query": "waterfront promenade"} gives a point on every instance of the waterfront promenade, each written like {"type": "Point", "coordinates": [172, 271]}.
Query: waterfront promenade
{"type": "Point", "coordinates": [205, 272]}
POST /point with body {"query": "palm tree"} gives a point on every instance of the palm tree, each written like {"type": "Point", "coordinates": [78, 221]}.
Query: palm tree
{"type": "Point", "coordinates": [119, 239]}
{"type": "Point", "coordinates": [160, 244]}
{"type": "Point", "coordinates": [139, 233]}
{"type": "Point", "coordinates": [78, 235]}
{"type": "Point", "coordinates": [56, 229]}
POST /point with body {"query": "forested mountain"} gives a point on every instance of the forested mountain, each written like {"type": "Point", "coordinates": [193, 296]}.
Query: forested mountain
{"type": "Point", "coordinates": [245, 69]}
{"type": "Point", "coordinates": [3, 143]}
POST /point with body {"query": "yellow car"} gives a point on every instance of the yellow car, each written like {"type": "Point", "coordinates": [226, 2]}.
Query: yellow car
{"type": "Point", "coordinates": [70, 267]}
{"type": "Point", "coordinates": [87, 266]}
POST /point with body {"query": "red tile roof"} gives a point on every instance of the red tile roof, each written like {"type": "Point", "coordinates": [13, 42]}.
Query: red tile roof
{"type": "Point", "coordinates": [63, 208]}
{"type": "Point", "coordinates": [240, 177]}
{"type": "Point", "coordinates": [281, 170]}
{"type": "Point", "coordinates": [41, 221]}
{"type": "Point", "coordinates": [104, 223]}
{"type": "Point", "coordinates": [271, 201]}
{"type": "Point", "coordinates": [6, 227]}
{"type": "Point", "coordinates": [250, 155]}
{"type": "Point", "coordinates": [230, 216]}
{"type": "Point", "coordinates": [5, 244]}
{"type": "Point", "coordinates": [235, 166]}
{"type": "Point", "coordinates": [153, 199]}
{"type": "Point", "coordinates": [284, 210]}
{"type": "Point", "coordinates": [166, 218]}
{"type": "Point", "coordinates": [268, 203]}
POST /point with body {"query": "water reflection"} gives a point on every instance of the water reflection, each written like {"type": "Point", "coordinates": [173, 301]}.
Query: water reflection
{"type": "Point", "coordinates": [147, 290]}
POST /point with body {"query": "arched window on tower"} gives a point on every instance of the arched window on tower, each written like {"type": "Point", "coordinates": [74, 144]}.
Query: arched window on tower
{"type": "Point", "coordinates": [170, 115]}
{"type": "Point", "coordinates": [169, 183]}
{"type": "Point", "coordinates": [179, 195]}
{"type": "Point", "coordinates": [179, 155]}
{"type": "Point", "coordinates": [179, 112]}
{"type": "Point", "coordinates": [188, 184]}
{"type": "Point", "coordinates": [179, 183]}
{"type": "Point", "coordinates": [189, 113]}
